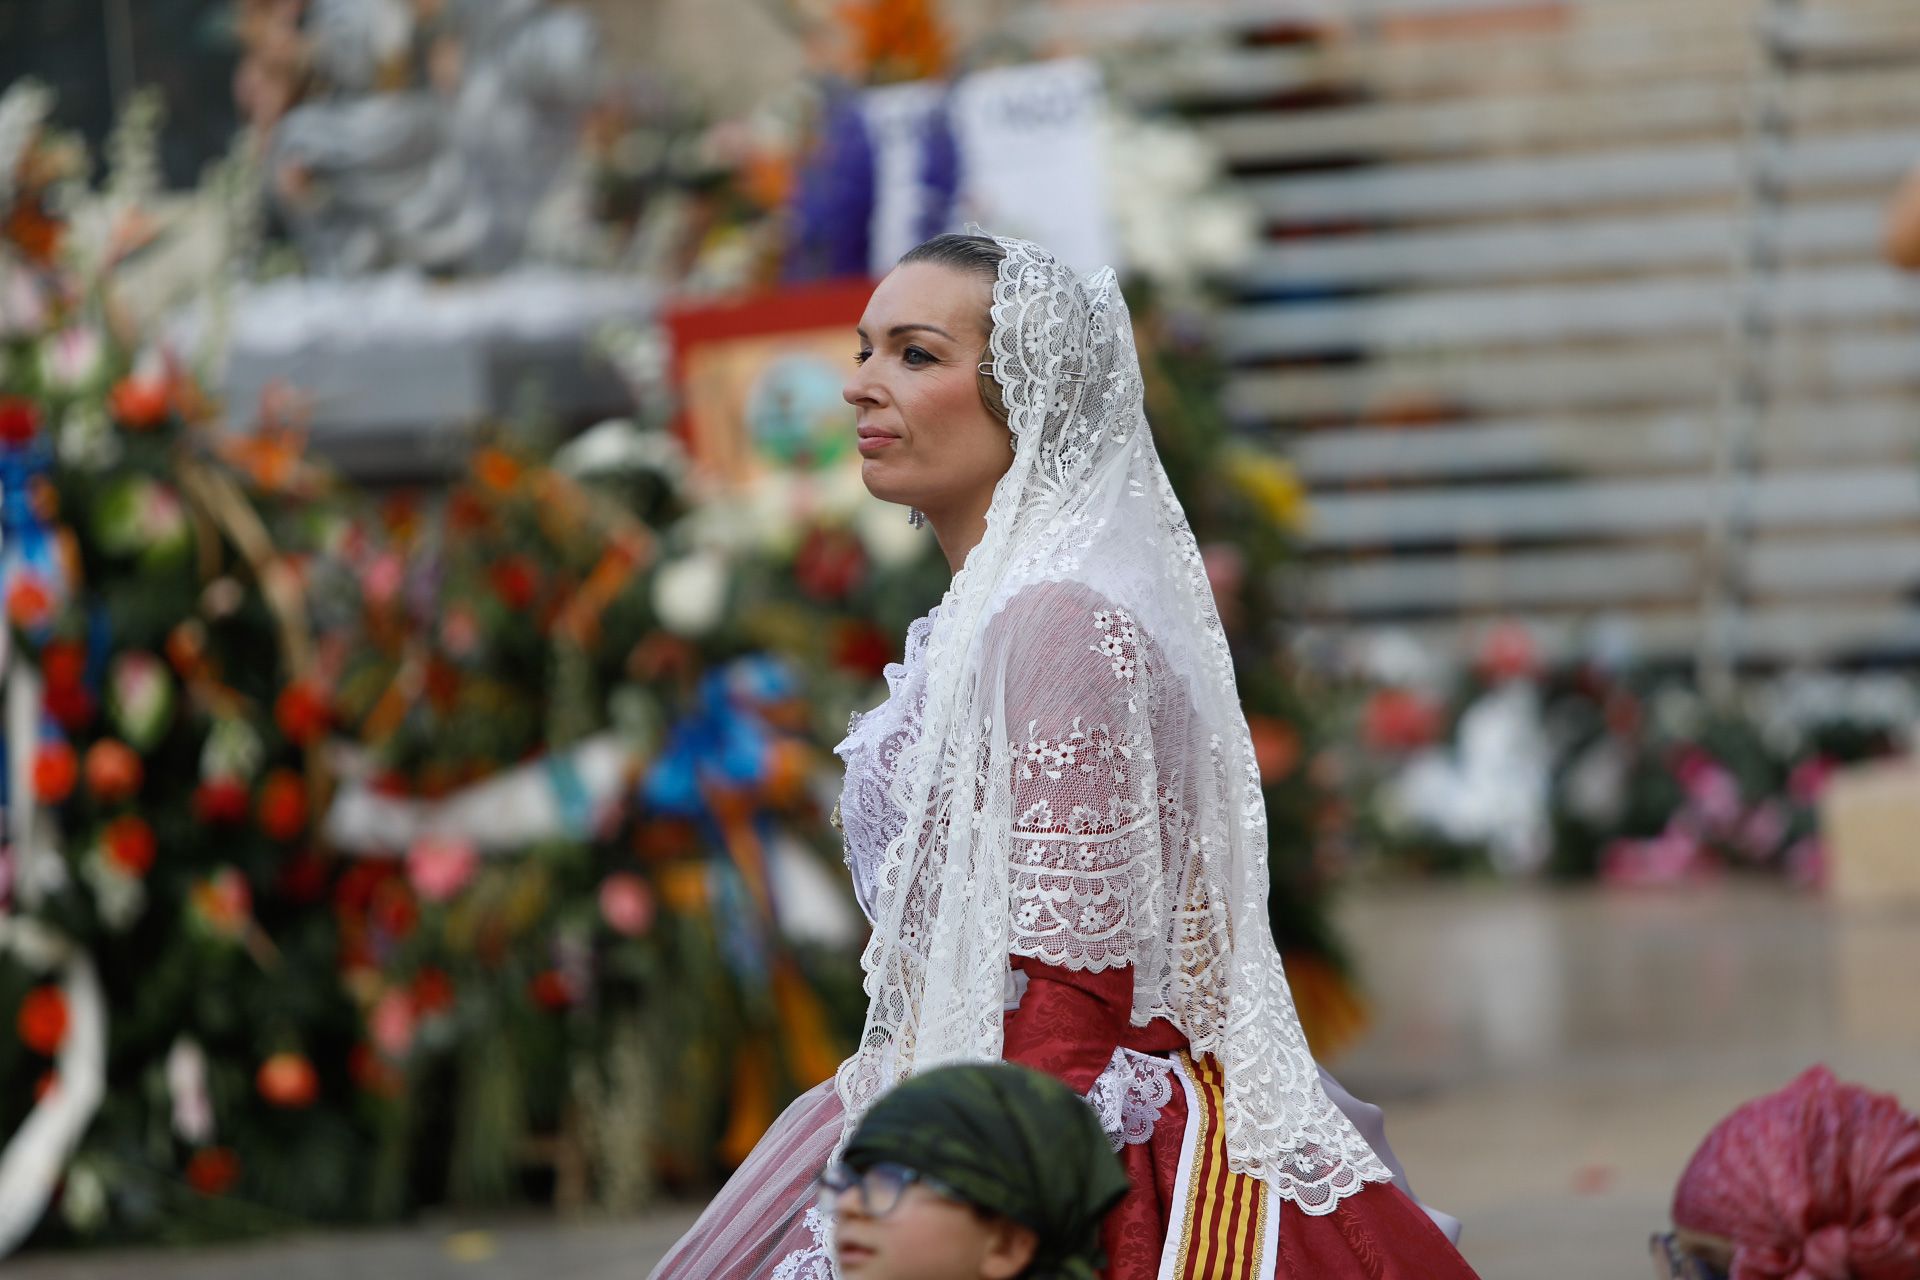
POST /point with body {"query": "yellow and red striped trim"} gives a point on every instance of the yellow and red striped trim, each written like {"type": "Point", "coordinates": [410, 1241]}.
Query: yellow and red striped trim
{"type": "Point", "coordinates": [1222, 1226]}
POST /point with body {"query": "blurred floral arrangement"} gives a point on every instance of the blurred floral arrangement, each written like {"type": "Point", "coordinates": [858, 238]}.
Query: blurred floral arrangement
{"type": "Point", "coordinates": [1596, 770]}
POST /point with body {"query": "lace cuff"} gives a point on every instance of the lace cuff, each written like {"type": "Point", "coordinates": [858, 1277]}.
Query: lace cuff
{"type": "Point", "coordinates": [1129, 1094]}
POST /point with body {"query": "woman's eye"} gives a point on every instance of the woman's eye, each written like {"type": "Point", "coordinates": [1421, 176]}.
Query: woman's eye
{"type": "Point", "coordinates": [915, 357]}
{"type": "Point", "coordinates": [860, 357]}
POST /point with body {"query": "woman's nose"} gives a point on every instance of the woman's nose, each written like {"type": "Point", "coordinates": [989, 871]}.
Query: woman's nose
{"type": "Point", "coordinates": [858, 388]}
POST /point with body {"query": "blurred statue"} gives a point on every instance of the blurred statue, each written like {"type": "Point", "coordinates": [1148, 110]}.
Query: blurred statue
{"type": "Point", "coordinates": [419, 133]}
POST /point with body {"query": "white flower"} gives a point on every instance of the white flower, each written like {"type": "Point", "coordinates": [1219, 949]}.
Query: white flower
{"type": "Point", "coordinates": [187, 1086]}
{"type": "Point", "coordinates": [1028, 915]}
{"type": "Point", "coordinates": [71, 358]}
{"type": "Point", "coordinates": [690, 594]}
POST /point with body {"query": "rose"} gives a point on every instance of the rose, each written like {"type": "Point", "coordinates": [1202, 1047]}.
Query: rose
{"type": "Point", "coordinates": [303, 713]}
{"type": "Point", "coordinates": [42, 1020]}
{"type": "Point", "coordinates": [288, 1080]}
{"type": "Point", "coordinates": [392, 1022]}
{"type": "Point", "coordinates": [128, 844]}
{"type": "Point", "coordinates": [439, 866]}
{"type": "Point", "coordinates": [54, 772]}
{"type": "Point", "coordinates": [140, 403]}
{"type": "Point", "coordinates": [140, 699]}
{"type": "Point", "coordinates": [626, 904]}
{"type": "Point", "coordinates": [282, 807]}
{"type": "Point", "coordinates": [114, 772]}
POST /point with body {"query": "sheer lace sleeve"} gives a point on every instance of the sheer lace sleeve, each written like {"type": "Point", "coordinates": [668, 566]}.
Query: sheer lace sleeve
{"type": "Point", "coordinates": [1077, 692]}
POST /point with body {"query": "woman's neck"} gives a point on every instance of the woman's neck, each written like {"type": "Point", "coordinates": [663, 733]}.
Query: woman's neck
{"type": "Point", "coordinates": [959, 528]}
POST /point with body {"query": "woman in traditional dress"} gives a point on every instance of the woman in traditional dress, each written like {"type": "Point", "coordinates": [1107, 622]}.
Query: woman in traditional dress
{"type": "Point", "coordinates": [1055, 821]}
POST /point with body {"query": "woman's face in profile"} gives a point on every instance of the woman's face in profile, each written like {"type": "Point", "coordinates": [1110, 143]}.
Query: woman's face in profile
{"type": "Point", "coordinates": [927, 439]}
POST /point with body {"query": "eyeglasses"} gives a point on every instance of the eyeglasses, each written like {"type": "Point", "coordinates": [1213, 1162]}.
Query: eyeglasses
{"type": "Point", "coordinates": [882, 1187]}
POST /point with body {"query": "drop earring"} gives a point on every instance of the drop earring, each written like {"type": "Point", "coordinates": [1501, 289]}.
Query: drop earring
{"type": "Point", "coordinates": [916, 518]}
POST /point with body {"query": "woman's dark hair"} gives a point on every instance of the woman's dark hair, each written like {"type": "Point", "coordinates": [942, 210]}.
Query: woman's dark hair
{"type": "Point", "coordinates": [973, 255]}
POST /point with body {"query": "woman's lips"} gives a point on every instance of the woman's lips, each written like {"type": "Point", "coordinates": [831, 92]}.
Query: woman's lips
{"type": "Point", "coordinates": [853, 1254]}
{"type": "Point", "coordinates": [874, 441]}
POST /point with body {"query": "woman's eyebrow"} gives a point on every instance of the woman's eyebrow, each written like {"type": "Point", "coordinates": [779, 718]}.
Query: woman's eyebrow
{"type": "Point", "coordinates": [899, 329]}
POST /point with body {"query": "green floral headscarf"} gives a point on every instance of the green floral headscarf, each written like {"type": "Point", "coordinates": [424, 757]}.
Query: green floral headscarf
{"type": "Point", "coordinates": [1012, 1141]}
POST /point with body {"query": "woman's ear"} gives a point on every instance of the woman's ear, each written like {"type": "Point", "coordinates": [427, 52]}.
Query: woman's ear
{"type": "Point", "coordinates": [1010, 1250]}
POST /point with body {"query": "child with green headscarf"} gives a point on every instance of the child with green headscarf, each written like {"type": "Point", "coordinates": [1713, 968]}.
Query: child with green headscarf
{"type": "Point", "coordinates": [978, 1172]}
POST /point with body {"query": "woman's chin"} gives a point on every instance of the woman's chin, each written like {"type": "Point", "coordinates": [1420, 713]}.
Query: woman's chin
{"type": "Point", "coordinates": [882, 484]}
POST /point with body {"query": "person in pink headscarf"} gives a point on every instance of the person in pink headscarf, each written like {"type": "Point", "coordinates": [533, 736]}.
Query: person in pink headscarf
{"type": "Point", "coordinates": [1820, 1181]}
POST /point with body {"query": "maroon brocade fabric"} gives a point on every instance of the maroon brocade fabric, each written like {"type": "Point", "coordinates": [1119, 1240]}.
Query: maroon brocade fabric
{"type": "Point", "coordinates": [1068, 1024]}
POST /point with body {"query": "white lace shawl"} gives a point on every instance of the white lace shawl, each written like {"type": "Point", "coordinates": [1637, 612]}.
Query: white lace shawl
{"type": "Point", "coordinates": [1075, 779]}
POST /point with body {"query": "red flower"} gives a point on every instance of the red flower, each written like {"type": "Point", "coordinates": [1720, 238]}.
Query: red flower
{"type": "Point", "coordinates": [514, 582]}
{"type": "Point", "coordinates": [374, 1073]}
{"type": "Point", "coordinates": [466, 513]}
{"type": "Point", "coordinates": [288, 1080]}
{"type": "Point", "coordinates": [1400, 720]}
{"type": "Point", "coordinates": [303, 713]}
{"type": "Point", "coordinates": [63, 663]}
{"type": "Point", "coordinates": [114, 771]}
{"type": "Point", "coordinates": [830, 564]}
{"type": "Point", "coordinates": [71, 706]}
{"type": "Point", "coordinates": [432, 991]}
{"type": "Point", "coordinates": [552, 990]}
{"type": "Point", "coordinates": [19, 419]}
{"type": "Point", "coordinates": [303, 877]}
{"type": "Point", "coordinates": [54, 772]}
{"type": "Point", "coordinates": [130, 845]}
{"type": "Point", "coordinates": [393, 909]}
{"type": "Point", "coordinates": [140, 403]}
{"type": "Point", "coordinates": [862, 648]}
{"type": "Point", "coordinates": [1508, 653]}
{"type": "Point", "coordinates": [283, 805]}
{"type": "Point", "coordinates": [42, 1021]}
{"type": "Point", "coordinates": [213, 1170]}
{"type": "Point", "coordinates": [29, 601]}
{"type": "Point", "coordinates": [221, 802]}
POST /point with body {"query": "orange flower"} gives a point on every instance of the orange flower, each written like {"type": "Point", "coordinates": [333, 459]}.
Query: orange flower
{"type": "Point", "coordinates": [42, 1021]}
{"type": "Point", "coordinates": [497, 470]}
{"type": "Point", "coordinates": [288, 1080]}
{"type": "Point", "coordinates": [283, 805]}
{"type": "Point", "coordinates": [140, 403]}
{"type": "Point", "coordinates": [29, 601]}
{"type": "Point", "coordinates": [224, 903]}
{"type": "Point", "coordinates": [114, 771]}
{"type": "Point", "coordinates": [130, 845]}
{"type": "Point", "coordinates": [213, 1170]}
{"type": "Point", "coordinates": [1276, 747]}
{"type": "Point", "coordinates": [54, 772]}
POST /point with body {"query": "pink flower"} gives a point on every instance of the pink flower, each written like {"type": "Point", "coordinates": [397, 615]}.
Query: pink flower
{"type": "Point", "coordinates": [1670, 858]}
{"type": "Point", "coordinates": [391, 1023]}
{"type": "Point", "coordinates": [440, 866]}
{"type": "Point", "coordinates": [1807, 863]}
{"type": "Point", "coordinates": [460, 633]}
{"type": "Point", "coordinates": [1763, 830]}
{"type": "Point", "coordinates": [384, 578]}
{"type": "Point", "coordinates": [1809, 779]}
{"type": "Point", "coordinates": [626, 904]}
{"type": "Point", "coordinates": [1712, 790]}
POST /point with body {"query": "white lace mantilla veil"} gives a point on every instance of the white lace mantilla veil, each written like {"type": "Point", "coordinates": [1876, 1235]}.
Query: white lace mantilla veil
{"type": "Point", "coordinates": [1081, 770]}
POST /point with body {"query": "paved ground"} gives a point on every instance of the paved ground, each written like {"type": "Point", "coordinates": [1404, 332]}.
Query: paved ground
{"type": "Point", "coordinates": [1548, 1062]}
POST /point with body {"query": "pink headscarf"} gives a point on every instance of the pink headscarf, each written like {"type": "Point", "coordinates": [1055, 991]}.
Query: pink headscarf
{"type": "Point", "coordinates": [1820, 1181]}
